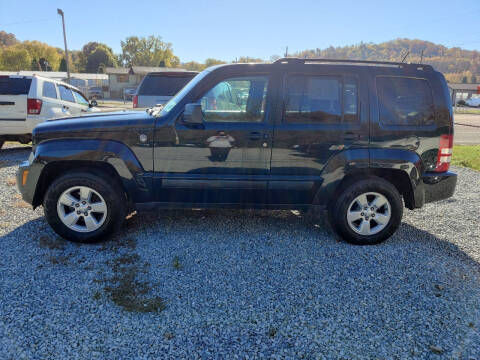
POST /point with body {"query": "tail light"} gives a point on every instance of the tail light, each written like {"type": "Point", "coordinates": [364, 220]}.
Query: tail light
{"type": "Point", "coordinates": [34, 106]}
{"type": "Point", "coordinates": [135, 101]}
{"type": "Point", "coordinates": [444, 153]}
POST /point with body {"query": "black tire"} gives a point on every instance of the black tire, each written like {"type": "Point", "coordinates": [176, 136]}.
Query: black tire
{"type": "Point", "coordinates": [1, 143]}
{"type": "Point", "coordinates": [112, 194]}
{"type": "Point", "coordinates": [338, 210]}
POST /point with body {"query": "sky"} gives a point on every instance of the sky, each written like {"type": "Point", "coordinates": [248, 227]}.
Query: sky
{"type": "Point", "coordinates": [257, 28]}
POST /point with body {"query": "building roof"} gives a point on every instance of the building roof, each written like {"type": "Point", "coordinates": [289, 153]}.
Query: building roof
{"type": "Point", "coordinates": [120, 70]}
{"type": "Point", "coordinates": [464, 87]}
{"type": "Point", "coordinates": [141, 70]}
{"type": "Point", "coordinates": [57, 74]}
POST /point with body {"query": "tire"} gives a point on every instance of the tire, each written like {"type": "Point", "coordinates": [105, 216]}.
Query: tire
{"type": "Point", "coordinates": [367, 229]}
{"type": "Point", "coordinates": [108, 198]}
{"type": "Point", "coordinates": [1, 143]}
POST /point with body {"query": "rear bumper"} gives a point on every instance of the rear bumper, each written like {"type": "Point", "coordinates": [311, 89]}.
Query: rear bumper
{"type": "Point", "coordinates": [438, 186]}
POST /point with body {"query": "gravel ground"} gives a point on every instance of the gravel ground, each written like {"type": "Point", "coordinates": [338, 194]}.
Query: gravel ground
{"type": "Point", "coordinates": [240, 284]}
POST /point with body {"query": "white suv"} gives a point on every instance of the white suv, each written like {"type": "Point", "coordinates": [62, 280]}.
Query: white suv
{"type": "Point", "coordinates": [26, 101]}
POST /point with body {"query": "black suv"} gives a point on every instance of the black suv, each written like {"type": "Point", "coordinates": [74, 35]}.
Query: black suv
{"type": "Point", "coordinates": [350, 137]}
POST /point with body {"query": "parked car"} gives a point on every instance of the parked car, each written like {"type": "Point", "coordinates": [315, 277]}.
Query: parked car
{"type": "Point", "coordinates": [129, 93]}
{"type": "Point", "coordinates": [358, 139]}
{"type": "Point", "coordinates": [95, 92]}
{"type": "Point", "coordinates": [157, 88]}
{"type": "Point", "coordinates": [26, 101]}
{"type": "Point", "coordinates": [473, 101]}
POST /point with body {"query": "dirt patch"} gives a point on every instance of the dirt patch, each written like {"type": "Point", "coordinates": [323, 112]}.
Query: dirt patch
{"type": "Point", "coordinates": [11, 181]}
{"type": "Point", "coordinates": [126, 289]}
{"type": "Point", "coordinates": [52, 244]}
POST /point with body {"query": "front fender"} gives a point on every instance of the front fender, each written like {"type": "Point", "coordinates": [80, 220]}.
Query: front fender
{"type": "Point", "coordinates": [51, 154]}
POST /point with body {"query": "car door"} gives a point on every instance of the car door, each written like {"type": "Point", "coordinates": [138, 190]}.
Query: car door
{"type": "Point", "coordinates": [226, 159]}
{"type": "Point", "coordinates": [322, 118]}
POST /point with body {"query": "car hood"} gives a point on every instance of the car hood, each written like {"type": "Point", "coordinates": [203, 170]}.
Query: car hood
{"type": "Point", "coordinates": [76, 126]}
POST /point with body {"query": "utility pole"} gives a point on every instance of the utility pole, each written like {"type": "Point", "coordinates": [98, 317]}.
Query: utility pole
{"type": "Point", "coordinates": [286, 51]}
{"type": "Point", "coordinates": [60, 12]}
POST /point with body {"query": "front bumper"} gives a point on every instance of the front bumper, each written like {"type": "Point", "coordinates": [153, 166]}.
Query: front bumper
{"type": "Point", "coordinates": [438, 186]}
{"type": "Point", "coordinates": [27, 185]}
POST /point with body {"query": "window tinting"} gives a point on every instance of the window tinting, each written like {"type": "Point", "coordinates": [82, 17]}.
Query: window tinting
{"type": "Point", "coordinates": [49, 90]}
{"type": "Point", "coordinates": [405, 101]}
{"type": "Point", "coordinates": [163, 85]}
{"type": "Point", "coordinates": [236, 100]}
{"type": "Point", "coordinates": [321, 99]}
{"type": "Point", "coordinates": [65, 93]}
{"type": "Point", "coordinates": [14, 86]}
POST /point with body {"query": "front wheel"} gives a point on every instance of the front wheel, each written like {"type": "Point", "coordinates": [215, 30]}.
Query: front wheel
{"type": "Point", "coordinates": [83, 207]}
{"type": "Point", "coordinates": [367, 212]}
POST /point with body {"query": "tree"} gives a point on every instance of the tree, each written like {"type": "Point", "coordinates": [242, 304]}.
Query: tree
{"type": "Point", "coordinates": [15, 58]}
{"type": "Point", "coordinates": [7, 39]}
{"type": "Point", "coordinates": [101, 55]}
{"type": "Point", "coordinates": [35, 66]}
{"type": "Point", "coordinates": [63, 65]}
{"type": "Point", "coordinates": [211, 62]}
{"type": "Point", "coordinates": [82, 57]}
{"type": "Point", "coordinates": [193, 66]}
{"type": "Point", "coordinates": [44, 65]}
{"type": "Point", "coordinates": [150, 51]}
{"type": "Point", "coordinates": [248, 59]}
{"type": "Point", "coordinates": [39, 50]}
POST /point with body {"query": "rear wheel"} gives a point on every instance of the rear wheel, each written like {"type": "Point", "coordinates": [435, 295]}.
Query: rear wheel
{"type": "Point", "coordinates": [83, 207]}
{"type": "Point", "coordinates": [367, 212]}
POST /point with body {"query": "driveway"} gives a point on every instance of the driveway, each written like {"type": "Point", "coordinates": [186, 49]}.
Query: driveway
{"type": "Point", "coordinates": [238, 284]}
{"type": "Point", "coordinates": [467, 129]}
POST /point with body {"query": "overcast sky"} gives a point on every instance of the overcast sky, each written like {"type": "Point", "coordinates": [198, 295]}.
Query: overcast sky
{"type": "Point", "coordinates": [258, 28]}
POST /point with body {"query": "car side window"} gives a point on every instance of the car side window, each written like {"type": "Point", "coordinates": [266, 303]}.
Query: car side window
{"type": "Point", "coordinates": [65, 93]}
{"type": "Point", "coordinates": [405, 101]}
{"type": "Point", "coordinates": [240, 99]}
{"type": "Point", "coordinates": [321, 100]}
{"type": "Point", "coordinates": [49, 90]}
{"type": "Point", "coordinates": [80, 99]}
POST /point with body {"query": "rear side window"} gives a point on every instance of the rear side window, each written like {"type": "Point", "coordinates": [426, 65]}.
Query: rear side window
{"type": "Point", "coordinates": [321, 100]}
{"type": "Point", "coordinates": [49, 90]}
{"type": "Point", "coordinates": [162, 85]}
{"type": "Point", "coordinates": [14, 86]}
{"type": "Point", "coordinates": [65, 93]}
{"type": "Point", "coordinates": [405, 101]}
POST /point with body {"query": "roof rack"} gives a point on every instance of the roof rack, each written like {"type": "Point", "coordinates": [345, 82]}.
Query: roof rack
{"type": "Point", "coordinates": [293, 60]}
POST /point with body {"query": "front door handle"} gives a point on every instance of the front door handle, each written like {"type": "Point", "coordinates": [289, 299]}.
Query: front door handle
{"type": "Point", "coordinates": [255, 135]}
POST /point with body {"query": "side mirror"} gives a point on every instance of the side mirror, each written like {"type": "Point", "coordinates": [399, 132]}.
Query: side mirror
{"type": "Point", "coordinates": [193, 114]}
{"type": "Point", "coordinates": [93, 103]}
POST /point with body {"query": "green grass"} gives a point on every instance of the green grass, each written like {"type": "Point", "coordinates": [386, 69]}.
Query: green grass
{"type": "Point", "coordinates": [467, 155]}
{"type": "Point", "coordinates": [467, 110]}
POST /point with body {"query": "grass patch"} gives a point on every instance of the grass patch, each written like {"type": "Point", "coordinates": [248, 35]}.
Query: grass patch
{"type": "Point", "coordinates": [467, 155]}
{"type": "Point", "coordinates": [177, 265]}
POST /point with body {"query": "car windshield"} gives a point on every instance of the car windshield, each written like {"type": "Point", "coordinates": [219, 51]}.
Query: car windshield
{"type": "Point", "coordinates": [186, 89]}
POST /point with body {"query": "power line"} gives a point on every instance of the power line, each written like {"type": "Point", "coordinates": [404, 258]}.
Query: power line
{"type": "Point", "coordinates": [28, 22]}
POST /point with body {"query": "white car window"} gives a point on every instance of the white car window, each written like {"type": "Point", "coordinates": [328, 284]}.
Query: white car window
{"type": "Point", "coordinates": [49, 90]}
{"type": "Point", "coordinates": [65, 93]}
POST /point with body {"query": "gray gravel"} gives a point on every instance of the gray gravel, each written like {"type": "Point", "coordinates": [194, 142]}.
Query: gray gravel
{"type": "Point", "coordinates": [241, 284]}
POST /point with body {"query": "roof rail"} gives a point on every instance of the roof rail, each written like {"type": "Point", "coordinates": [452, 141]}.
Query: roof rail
{"type": "Point", "coordinates": [293, 60]}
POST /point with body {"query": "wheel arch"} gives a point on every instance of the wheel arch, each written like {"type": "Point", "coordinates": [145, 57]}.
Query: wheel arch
{"type": "Point", "coordinates": [110, 158]}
